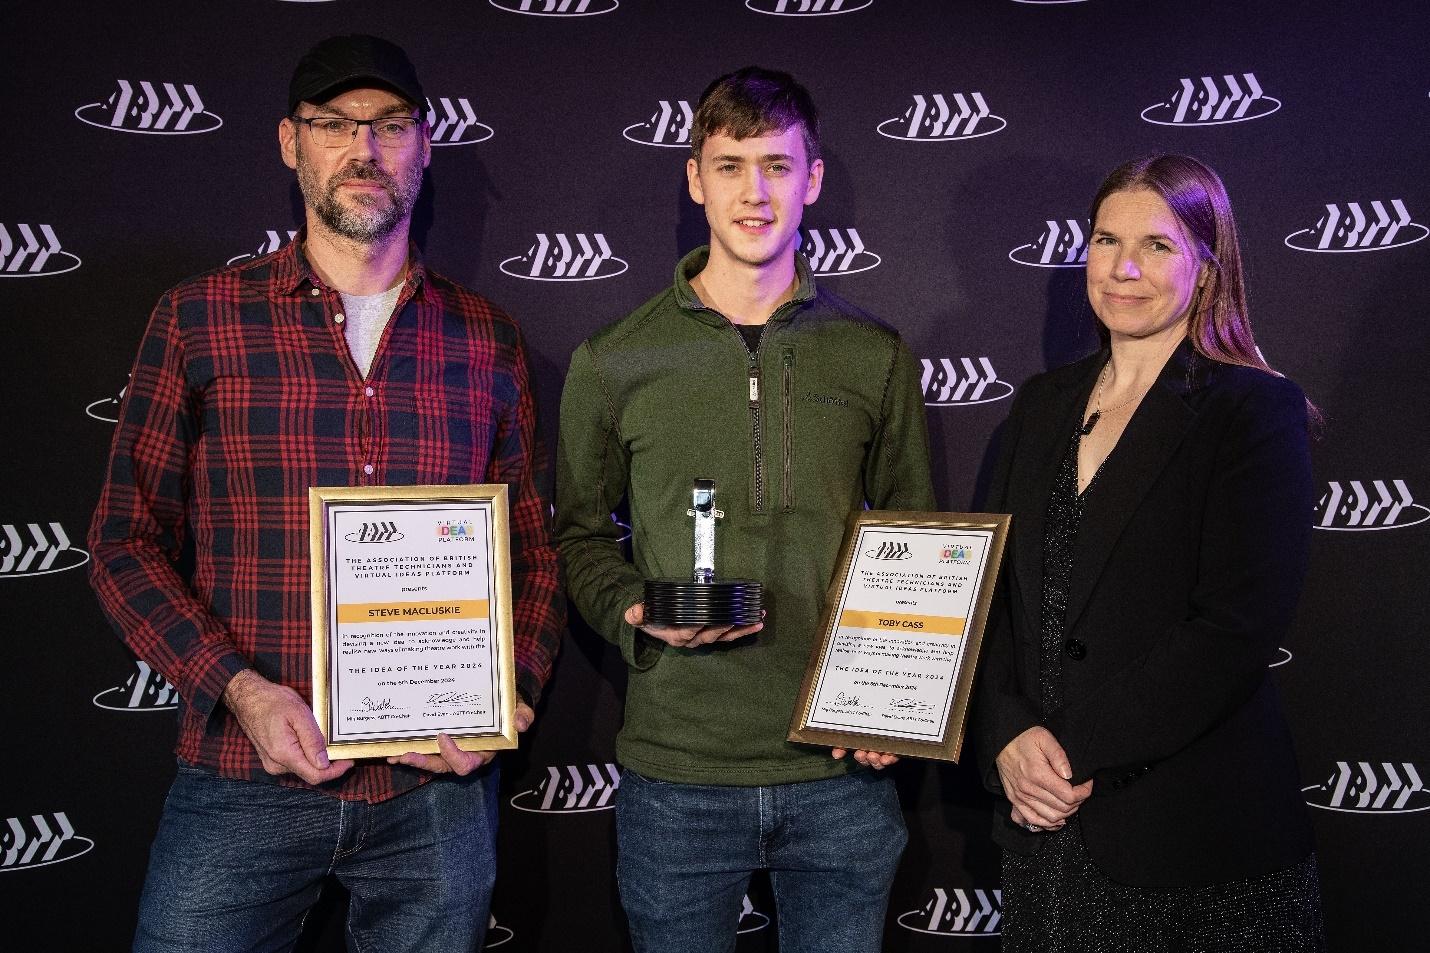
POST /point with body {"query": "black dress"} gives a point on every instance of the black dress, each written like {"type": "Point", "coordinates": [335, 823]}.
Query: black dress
{"type": "Point", "coordinates": [1057, 901]}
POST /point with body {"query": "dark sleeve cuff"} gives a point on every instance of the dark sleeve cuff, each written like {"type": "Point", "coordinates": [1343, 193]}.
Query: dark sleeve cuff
{"type": "Point", "coordinates": [638, 649]}
{"type": "Point", "coordinates": [206, 674]}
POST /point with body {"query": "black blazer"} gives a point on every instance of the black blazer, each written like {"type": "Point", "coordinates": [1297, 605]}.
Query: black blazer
{"type": "Point", "coordinates": [1189, 563]}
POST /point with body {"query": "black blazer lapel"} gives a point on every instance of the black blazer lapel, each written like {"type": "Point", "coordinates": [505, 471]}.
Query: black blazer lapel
{"type": "Point", "coordinates": [1145, 448]}
{"type": "Point", "coordinates": [1047, 431]}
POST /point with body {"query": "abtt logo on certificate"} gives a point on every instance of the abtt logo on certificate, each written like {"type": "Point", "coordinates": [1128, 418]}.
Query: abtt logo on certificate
{"type": "Point", "coordinates": [412, 631]}
{"type": "Point", "coordinates": [907, 608]}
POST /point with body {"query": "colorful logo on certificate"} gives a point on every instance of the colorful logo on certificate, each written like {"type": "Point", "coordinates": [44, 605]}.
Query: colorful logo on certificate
{"type": "Point", "coordinates": [456, 531]}
{"type": "Point", "coordinates": [955, 553]}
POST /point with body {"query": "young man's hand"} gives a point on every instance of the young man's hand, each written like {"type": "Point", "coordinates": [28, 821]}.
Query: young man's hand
{"type": "Point", "coordinates": [689, 636]}
{"type": "Point", "coordinates": [878, 760]}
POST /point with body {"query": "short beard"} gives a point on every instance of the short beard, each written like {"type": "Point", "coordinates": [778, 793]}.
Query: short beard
{"type": "Point", "coordinates": [363, 222]}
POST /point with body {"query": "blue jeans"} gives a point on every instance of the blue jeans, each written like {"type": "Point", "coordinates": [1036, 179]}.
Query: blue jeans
{"type": "Point", "coordinates": [236, 865]}
{"type": "Point", "coordinates": [686, 853]}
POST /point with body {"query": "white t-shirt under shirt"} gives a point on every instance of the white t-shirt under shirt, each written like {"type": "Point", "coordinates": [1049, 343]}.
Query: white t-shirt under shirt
{"type": "Point", "coordinates": [365, 318]}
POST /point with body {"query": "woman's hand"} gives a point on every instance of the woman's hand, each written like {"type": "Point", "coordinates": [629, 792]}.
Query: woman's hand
{"type": "Point", "coordinates": [1036, 778]}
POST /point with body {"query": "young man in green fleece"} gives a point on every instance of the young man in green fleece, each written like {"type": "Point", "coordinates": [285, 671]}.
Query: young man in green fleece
{"type": "Point", "coordinates": [801, 408]}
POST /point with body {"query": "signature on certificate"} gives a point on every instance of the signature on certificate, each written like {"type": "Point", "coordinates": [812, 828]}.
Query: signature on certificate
{"type": "Point", "coordinates": [909, 704]}
{"type": "Point", "coordinates": [850, 700]}
{"type": "Point", "coordinates": [381, 704]}
{"type": "Point", "coordinates": [452, 698]}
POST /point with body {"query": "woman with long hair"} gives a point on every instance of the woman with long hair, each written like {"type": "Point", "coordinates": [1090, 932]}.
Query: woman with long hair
{"type": "Point", "coordinates": [1161, 495]}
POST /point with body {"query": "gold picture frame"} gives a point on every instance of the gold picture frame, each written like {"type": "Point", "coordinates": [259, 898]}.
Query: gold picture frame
{"type": "Point", "coordinates": [438, 652]}
{"type": "Point", "coordinates": [900, 635]}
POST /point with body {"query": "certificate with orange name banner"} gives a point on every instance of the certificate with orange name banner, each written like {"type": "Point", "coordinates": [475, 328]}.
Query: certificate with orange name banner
{"type": "Point", "coordinates": [412, 632]}
{"type": "Point", "coordinates": [894, 668]}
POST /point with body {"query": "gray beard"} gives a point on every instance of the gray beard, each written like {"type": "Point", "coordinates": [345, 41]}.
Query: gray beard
{"type": "Point", "coordinates": [362, 222]}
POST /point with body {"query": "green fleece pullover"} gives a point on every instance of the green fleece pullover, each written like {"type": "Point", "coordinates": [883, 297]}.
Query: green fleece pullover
{"type": "Point", "coordinates": [823, 416]}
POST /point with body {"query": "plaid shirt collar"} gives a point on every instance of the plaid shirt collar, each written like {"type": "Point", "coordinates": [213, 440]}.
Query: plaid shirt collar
{"type": "Point", "coordinates": [288, 269]}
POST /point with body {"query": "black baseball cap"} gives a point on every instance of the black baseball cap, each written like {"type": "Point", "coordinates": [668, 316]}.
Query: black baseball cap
{"type": "Point", "coordinates": [346, 62]}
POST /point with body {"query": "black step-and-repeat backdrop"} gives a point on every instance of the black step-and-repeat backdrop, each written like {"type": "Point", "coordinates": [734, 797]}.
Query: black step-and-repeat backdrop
{"type": "Point", "coordinates": [963, 141]}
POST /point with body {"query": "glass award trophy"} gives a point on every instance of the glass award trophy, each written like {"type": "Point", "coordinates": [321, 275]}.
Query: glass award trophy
{"type": "Point", "coordinates": [702, 599]}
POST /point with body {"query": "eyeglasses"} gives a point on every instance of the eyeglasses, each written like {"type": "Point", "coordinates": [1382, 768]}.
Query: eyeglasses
{"type": "Point", "coordinates": [337, 132]}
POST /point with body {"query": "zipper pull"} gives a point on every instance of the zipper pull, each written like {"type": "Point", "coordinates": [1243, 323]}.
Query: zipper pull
{"type": "Point", "coordinates": [754, 388]}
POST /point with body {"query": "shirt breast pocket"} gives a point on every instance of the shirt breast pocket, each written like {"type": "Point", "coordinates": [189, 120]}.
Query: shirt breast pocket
{"type": "Point", "coordinates": [443, 434]}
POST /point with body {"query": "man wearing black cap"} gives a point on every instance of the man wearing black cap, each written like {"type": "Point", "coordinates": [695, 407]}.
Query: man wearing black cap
{"type": "Point", "coordinates": [337, 360]}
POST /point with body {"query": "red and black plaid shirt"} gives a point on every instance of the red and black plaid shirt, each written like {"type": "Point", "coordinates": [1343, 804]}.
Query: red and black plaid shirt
{"type": "Point", "coordinates": [243, 396]}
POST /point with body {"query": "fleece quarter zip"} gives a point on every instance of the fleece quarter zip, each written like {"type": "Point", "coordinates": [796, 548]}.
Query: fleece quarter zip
{"type": "Point", "coordinates": [823, 416]}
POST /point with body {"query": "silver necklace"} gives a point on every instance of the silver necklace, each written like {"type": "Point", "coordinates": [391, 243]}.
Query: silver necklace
{"type": "Point", "coordinates": [1097, 408]}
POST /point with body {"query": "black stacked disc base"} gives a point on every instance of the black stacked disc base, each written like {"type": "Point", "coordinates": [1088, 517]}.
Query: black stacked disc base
{"type": "Point", "coordinates": [682, 602]}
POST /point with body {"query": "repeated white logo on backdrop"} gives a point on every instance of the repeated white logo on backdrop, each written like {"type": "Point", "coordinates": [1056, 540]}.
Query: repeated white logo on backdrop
{"type": "Point", "coordinates": [1364, 787]}
{"type": "Point", "coordinates": [144, 690]}
{"type": "Point", "coordinates": [960, 912]}
{"type": "Point", "coordinates": [750, 919]}
{"type": "Point", "coordinates": [940, 118]}
{"type": "Point", "coordinates": [34, 549]}
{"type": "Point", "coordinates": [557, 8]}
{"type": "Point", "coordinates": [1062, 244]}
{"type": "Point", "coordinates": [454, 123]}
{"type": "Point", "coordinates": [1374, 226]}
{"type": "Point", "coordinates": [836, 251]}
{"type": "Point", "coordinates": [1213, 101]}
{"type": "Point", "coordinates": [497, 935]}
{"type": "Point", "coordinates": [964, 380]}
{"type": "Point", "coordinates": [1360, 506]}
{"type": "Point", "coordinates": [31, 251]}
{"type": "Point", "coordinates": [562, 257]}
{"type": "Point", "coordinates": [1282, 657]}
{"type": "Point", "coordinates": [107, 408]}
{"type": "Point", "coordinates": [165, 109]}
{"type": "Point", "coordinates": [809, 8]}
{"type": "Point", "coordinates": [572, 789]}
{"type": "Point", "coordinates": [273, 240]}
{"type": "Point", "coordinates": [669, 126]}
{"type": "Point", "coordinates": [39, 840]}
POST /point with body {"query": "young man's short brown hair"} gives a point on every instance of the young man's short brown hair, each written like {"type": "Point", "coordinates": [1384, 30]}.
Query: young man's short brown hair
{"type": "Point", "coordinates": [755, 102]}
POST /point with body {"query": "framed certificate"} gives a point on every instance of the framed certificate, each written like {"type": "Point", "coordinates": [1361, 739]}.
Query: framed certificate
{"type": "Point", "coordinates": [412, 630]}
{"type": "Point", "coordinates": [893, 670]}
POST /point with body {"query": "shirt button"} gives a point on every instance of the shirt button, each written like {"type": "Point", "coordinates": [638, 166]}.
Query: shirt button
{"type": "Point", "coordinates": [367, 468]}
{"type": "Point", "coordinates": [368, 391]}
{"type": "Point", "coordinates": [1075, 649]}
{"type": "Point", "coordinates": [314, 292]}
{"type": "Point", "coordinates": [338, 319]}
